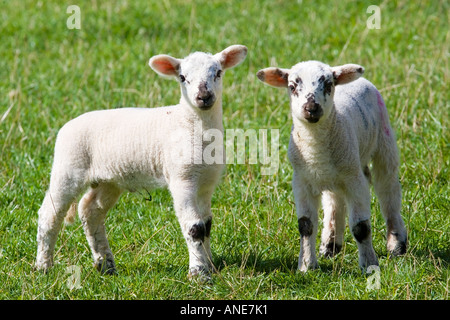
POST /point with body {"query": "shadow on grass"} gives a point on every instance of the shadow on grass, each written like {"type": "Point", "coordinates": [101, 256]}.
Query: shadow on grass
{"type": "Point", "coordinates": [432, 253]}
{"type": "Point", "coordinates": [285, 264]}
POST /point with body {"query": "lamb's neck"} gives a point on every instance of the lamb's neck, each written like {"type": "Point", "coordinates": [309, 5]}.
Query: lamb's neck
{"type": "Point", "coordinates": [210, 119]}
{"type": "Point", "coordinates": [314, 138]}
{"type": "Point", "coordinates": [317, 131]}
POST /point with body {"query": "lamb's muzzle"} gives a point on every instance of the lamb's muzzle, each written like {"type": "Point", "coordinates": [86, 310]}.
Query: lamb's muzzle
{"type": "Point", "coordinates": [205, 98]}
{"type": "Point", "coordinates": [312, 110]}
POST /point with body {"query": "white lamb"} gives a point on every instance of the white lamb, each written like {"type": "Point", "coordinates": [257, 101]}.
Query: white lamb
{"type": "Point", "coordinates": [111, 151]}
{"type": "Point", "coordinates": [340, 125]}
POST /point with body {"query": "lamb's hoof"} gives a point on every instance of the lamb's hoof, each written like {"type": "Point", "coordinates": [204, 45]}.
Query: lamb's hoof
{"type": "Point", "coordinates": [330, 249]}
{"type": "Point", "coordinates": [395, 246]}
{"type": "Point", "coordinates": [106, 266]}
{"type": "Point", "coordinates": [43, 267]}
{"type": "Point", "coordinates": [399, 249]}
{"type": "Point", "coordinates": [304, 267]}
{"type": "Point", "coordinates": [200, 274]}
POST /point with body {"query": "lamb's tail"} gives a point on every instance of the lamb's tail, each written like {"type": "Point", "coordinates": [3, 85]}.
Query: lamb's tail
{"type": "Point", "coordinates": [71, 214]}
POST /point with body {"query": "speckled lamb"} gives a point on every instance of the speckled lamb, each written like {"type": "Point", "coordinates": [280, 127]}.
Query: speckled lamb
{"type": "Point", "coordinates": [340, 126]}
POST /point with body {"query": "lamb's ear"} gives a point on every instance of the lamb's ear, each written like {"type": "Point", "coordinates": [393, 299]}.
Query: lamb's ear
{"type": "Point", "coordinates": [275, 77]}
{"type": "Point", "coordinates": [347, 73]}
{"type": "Point", "coordinates": [165, 65]}
{"type": "Point", "coordinates": [232, 56]}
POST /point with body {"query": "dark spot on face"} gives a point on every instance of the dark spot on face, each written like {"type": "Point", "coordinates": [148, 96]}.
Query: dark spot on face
{"type": "Point", "coordinates": [361, 230]}
{"type": "Point", "coordinates": [295, 86]}
{"type": "Point", "coordinates": [327, 85]}
{"type": "Point", "coordinates": [305, 227]}
{"type": "Point", "coordinates": [197, 231]}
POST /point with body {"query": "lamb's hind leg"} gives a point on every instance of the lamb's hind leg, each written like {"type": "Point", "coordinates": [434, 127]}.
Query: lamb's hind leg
{"type": "Point", "coordinates": [92, 211]}
{"type": "Point", "coordinates": [54, 208]}
{"type": "Point", "coordinates": [335, 211]}
{"type": "Point", "coordinates": [387, 188]}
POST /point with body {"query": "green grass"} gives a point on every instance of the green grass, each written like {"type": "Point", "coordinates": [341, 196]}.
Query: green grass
{"type": "Point", "coordinates": [50, 74]}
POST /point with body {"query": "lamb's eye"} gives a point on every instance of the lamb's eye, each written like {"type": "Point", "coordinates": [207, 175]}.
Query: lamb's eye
{"type": "Point", "coordinates": [293, 86]}
{"type": "Point", "coordinates": [182, 78]}
{"type": "Point", "coordinates": [327, 87]}
{"type": "Point", "coordinates": [218, 74]}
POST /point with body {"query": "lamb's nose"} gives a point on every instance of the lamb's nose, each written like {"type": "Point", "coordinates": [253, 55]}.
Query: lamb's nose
{"type": "Point", "coordinates": [311, 106]}
{"type": "Point", "coordinates": [205, 98]}
{"type": "Point", "coordinates": [313, 110]}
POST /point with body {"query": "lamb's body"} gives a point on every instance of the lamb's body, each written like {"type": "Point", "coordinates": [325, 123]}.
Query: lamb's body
{"type": "Point", "coordinates": [129, 147]}
{"type": "Point", "coordinates": [331, 150]}
{"type": "Point", "coordinates": [340, 126]}
{"type": "Point", "coordinates": [110, 151]}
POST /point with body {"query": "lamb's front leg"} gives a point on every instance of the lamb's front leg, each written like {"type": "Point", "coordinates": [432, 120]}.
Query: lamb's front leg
{"type": "Point", "coordinates": [204, 203]}
{"type": "Point", "coordinates": [306, 206]}
{"type": "Point", "coordinates": [194, 228]}
{"type": "Point", "coordinates": [359, 221]}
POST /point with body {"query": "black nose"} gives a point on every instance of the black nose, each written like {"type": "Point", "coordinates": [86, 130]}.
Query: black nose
{"type": "Point", "coordinates": [312, 107]}
{"type": "Point", "coordinates": [205, 98]}
{"type": "Point", "coordinates": [312, 110]}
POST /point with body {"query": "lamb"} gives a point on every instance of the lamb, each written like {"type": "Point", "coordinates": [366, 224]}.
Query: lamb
{"type": "Point", "coordinates": [108, 152]}
{"type": "Point", "coordinates": [340, 126]}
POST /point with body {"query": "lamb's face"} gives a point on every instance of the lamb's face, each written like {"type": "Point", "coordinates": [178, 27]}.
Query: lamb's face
{"type": "Point", "coordinates": [311, 86]}
{"type": "Point", "coordinates": [199, 74]}
{"type": "Point", "coordinates": [311, 90]}
{"type": "Point", "coordinates": [200, 77]}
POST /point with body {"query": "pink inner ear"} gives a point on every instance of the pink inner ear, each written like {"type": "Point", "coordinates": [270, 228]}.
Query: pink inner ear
{"type": "Point", "coordinates": [348, 73]}
{"type": "Point", "coordinates": [229, 59]}
{"type": "Point", "coordinates": [345, 77]}
{"type": "Point", "coordinates": [275, 78]}
{"type": "Point", "coordinates": [164, 66]}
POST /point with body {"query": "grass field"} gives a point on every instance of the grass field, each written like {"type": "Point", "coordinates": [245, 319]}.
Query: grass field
{"type": "Point", "coordinates": [50, 74]}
